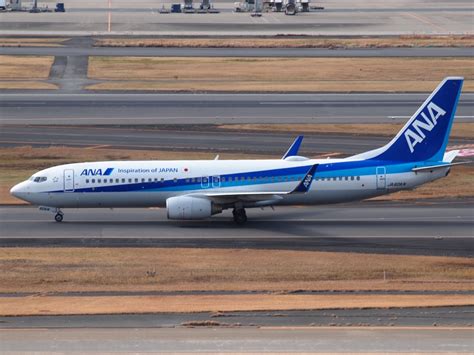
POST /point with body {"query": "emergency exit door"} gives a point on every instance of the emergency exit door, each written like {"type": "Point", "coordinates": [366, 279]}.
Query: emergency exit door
{"type": "Point", "coordinates": [68, 180]}
{"type": "Point", "coordinates": [381, 176]}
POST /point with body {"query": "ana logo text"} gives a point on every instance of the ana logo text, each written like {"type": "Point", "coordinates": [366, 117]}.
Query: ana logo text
{"type": "Point", "coordinates": [307, 180]}
{"type": "Point", "coordinates": [415, 133]}
{"type": "Point", "coordinates": [97, 172]}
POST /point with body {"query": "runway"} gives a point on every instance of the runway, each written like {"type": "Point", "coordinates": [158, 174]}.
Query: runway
{"type": "Point", "coordinates": [203, 138]}
{"type": "Point", "coordinates": [141, 108]}
{"type": "Point", "coordinates": [245, 339]}
{"type": "Point", "coordinates": [440, 228]}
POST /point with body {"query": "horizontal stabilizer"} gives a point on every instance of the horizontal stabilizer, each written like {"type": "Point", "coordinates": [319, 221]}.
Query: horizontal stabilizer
{"type": "Point", "coordinates": [439, 166]}
{"type": "Point", "coordinates": [449, 156]}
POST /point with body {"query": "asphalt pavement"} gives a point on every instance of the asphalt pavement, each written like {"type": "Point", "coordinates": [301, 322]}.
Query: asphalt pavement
{"type": "Point", "coordinates": [68, 51]}
{"type": "Point", "coordinates": [244, 339]}
{"type": "Point", "coordinates": [141, 108]}
{"type": "Point", "coordinates": [439, 228]}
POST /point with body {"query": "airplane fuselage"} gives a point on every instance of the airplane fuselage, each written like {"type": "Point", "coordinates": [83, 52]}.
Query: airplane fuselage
{"type": "Point", "coordinates": [151, 183]}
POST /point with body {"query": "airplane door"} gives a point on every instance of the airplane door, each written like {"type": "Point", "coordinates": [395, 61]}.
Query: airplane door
{"type": "Point", "coordinates": [216, 181]}
{"type": "Point", "coordinates": [68, 180]}
{"type": "Point", "coordinates": [381, 177]}
{"type": "Point", "coordinates": [205, 182]}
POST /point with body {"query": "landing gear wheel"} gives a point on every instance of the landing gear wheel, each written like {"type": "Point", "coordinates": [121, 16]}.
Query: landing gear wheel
{"type": "Point", "coordinates": [240, 217]}
{"type": "Point", "coordinates": [58, 217]}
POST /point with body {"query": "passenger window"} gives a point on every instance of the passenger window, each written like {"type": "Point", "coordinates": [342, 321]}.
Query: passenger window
{"type": "Point", "coordinates": [136, 180]}
{"type": "Point", "coordinates": [117, 181]}
{"type": "Point", "coordinates": [98, 181]}
{"type": "Point", "coordinates": [358, 178]}
{"type": "Point", "coordinates": [87, 181]}
{"type": "Point", "coordinates": [162, 180]}
{"type": "Point", "coordinates": [93, 181]}
{"type": "Point", "coordinates": [346, 178]}
{"type": "Point", "coordinates": [150, 180]}
{"type": "Point", "coordinates": [352, 178]}
{"type": "Point", "coordinates": [129, 180]}
{"type": "Point", "coordinates": [175, 180]}
{"type": "Point", "coordinates": [105, 181]}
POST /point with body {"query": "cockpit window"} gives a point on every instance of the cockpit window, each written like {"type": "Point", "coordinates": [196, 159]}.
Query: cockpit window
{"type": "Point", "coordinates": [38, 178]}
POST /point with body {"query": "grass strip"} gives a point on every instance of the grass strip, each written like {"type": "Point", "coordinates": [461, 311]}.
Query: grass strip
{"type": "Point", "coordinates": [47, 305]}
{"type": "Point", "coordinates": [32, 42]}
{"type": "Point", "coordinates": [277, 74]}
{"type": "Point", "coordinates": [26, 85]}
{"type": "Point", "coordinates": [407, 41]}
{"type": "Point", "coordinates": [200, 269]}
{"type": "Point", "coordinates": [24, 67]}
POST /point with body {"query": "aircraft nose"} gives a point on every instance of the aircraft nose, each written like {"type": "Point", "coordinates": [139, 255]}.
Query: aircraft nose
{"type": "Point", "coordinates": [18, 190]}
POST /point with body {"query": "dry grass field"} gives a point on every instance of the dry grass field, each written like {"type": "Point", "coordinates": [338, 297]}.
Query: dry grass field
{"type": "Point", "coordinates": [275, 274]}
{"type": "Point", "coordinates": [180, 269]}
{"type": "Point", "coordinates": [50, 305]}
{"type": "Point", "coordinates": [17, 164]}
{"type": "Point", "coordinates": [277, 74]}
{"type": "Point", "coordinates": [26, 85]}
{"type": "Point", "coordinates": [32, 42]}
{"type": "Point", "coordinates": [305, 42]}
{"type": "Point", "coordinates": [24, 67]}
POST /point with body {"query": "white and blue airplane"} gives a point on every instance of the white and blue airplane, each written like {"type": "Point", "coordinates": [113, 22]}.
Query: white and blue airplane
{"type": "Point", "coordinates": [198, 189]}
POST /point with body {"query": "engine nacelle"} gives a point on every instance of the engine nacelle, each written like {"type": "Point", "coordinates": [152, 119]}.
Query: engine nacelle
{"type": "Point", "coordinates": [189, 207]}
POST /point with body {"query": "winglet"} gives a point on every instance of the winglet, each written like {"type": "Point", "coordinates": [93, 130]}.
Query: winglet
{"type": "Point", "coordinates": [293, 150]}
{"type": "Point", "coordinates": [305, 184]}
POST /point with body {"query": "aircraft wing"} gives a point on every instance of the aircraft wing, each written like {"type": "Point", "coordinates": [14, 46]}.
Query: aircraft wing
{"type": "Point", "coordinates": [229, 197]}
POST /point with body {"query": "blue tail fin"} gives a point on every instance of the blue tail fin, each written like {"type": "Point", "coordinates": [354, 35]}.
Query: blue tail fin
{"type": "Point", "coordinates": [425, 136]}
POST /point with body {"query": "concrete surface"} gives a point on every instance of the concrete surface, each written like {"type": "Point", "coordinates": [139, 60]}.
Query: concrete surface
{"type": "Point", "coordinates": [395, 317]}
{"type": "Point", "coordinates": [359, 340]}
{"type": "Point", "coordinates": [69, 52]}
{"type": "Point", "coordinates": [139, 108]}
{"type": "Point", "coordinates": [204, 138]}
{"type": "Point", "coordinates": [442, 228]}
{"type": "Point", "coordinates": [340, 17]}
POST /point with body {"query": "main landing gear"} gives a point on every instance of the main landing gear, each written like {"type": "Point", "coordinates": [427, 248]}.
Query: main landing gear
{"type": "Point", "coordinates": [240, 217]}
{"type": "Point", "coordinates": [59, 216]}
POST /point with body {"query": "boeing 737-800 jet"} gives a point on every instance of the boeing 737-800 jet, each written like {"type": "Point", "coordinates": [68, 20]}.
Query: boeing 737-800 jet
{"type": "Point", "coordinates": [198, 189]}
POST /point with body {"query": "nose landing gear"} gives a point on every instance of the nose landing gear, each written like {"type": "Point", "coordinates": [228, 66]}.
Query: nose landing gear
{"type": "Point", "coordinates": [240, 217]}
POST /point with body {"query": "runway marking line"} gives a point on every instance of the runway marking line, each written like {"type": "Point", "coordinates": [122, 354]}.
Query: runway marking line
{"type": "Point", "coordinates": [389, 328]}
{"type": "Point", "coordinates": [98, 146]}
{"type": "Point", "coordinates": [426, 21]}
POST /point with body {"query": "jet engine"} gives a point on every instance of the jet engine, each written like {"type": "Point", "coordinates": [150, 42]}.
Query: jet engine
{"type": "Point", "coordinates": [290, 8]}
{"type": "Point", "coordinates": [189, 207]}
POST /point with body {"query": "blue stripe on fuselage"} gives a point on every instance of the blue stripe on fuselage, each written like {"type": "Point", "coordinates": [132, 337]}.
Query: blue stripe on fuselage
{"type": "Point", "coordinates": [350, 168]}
